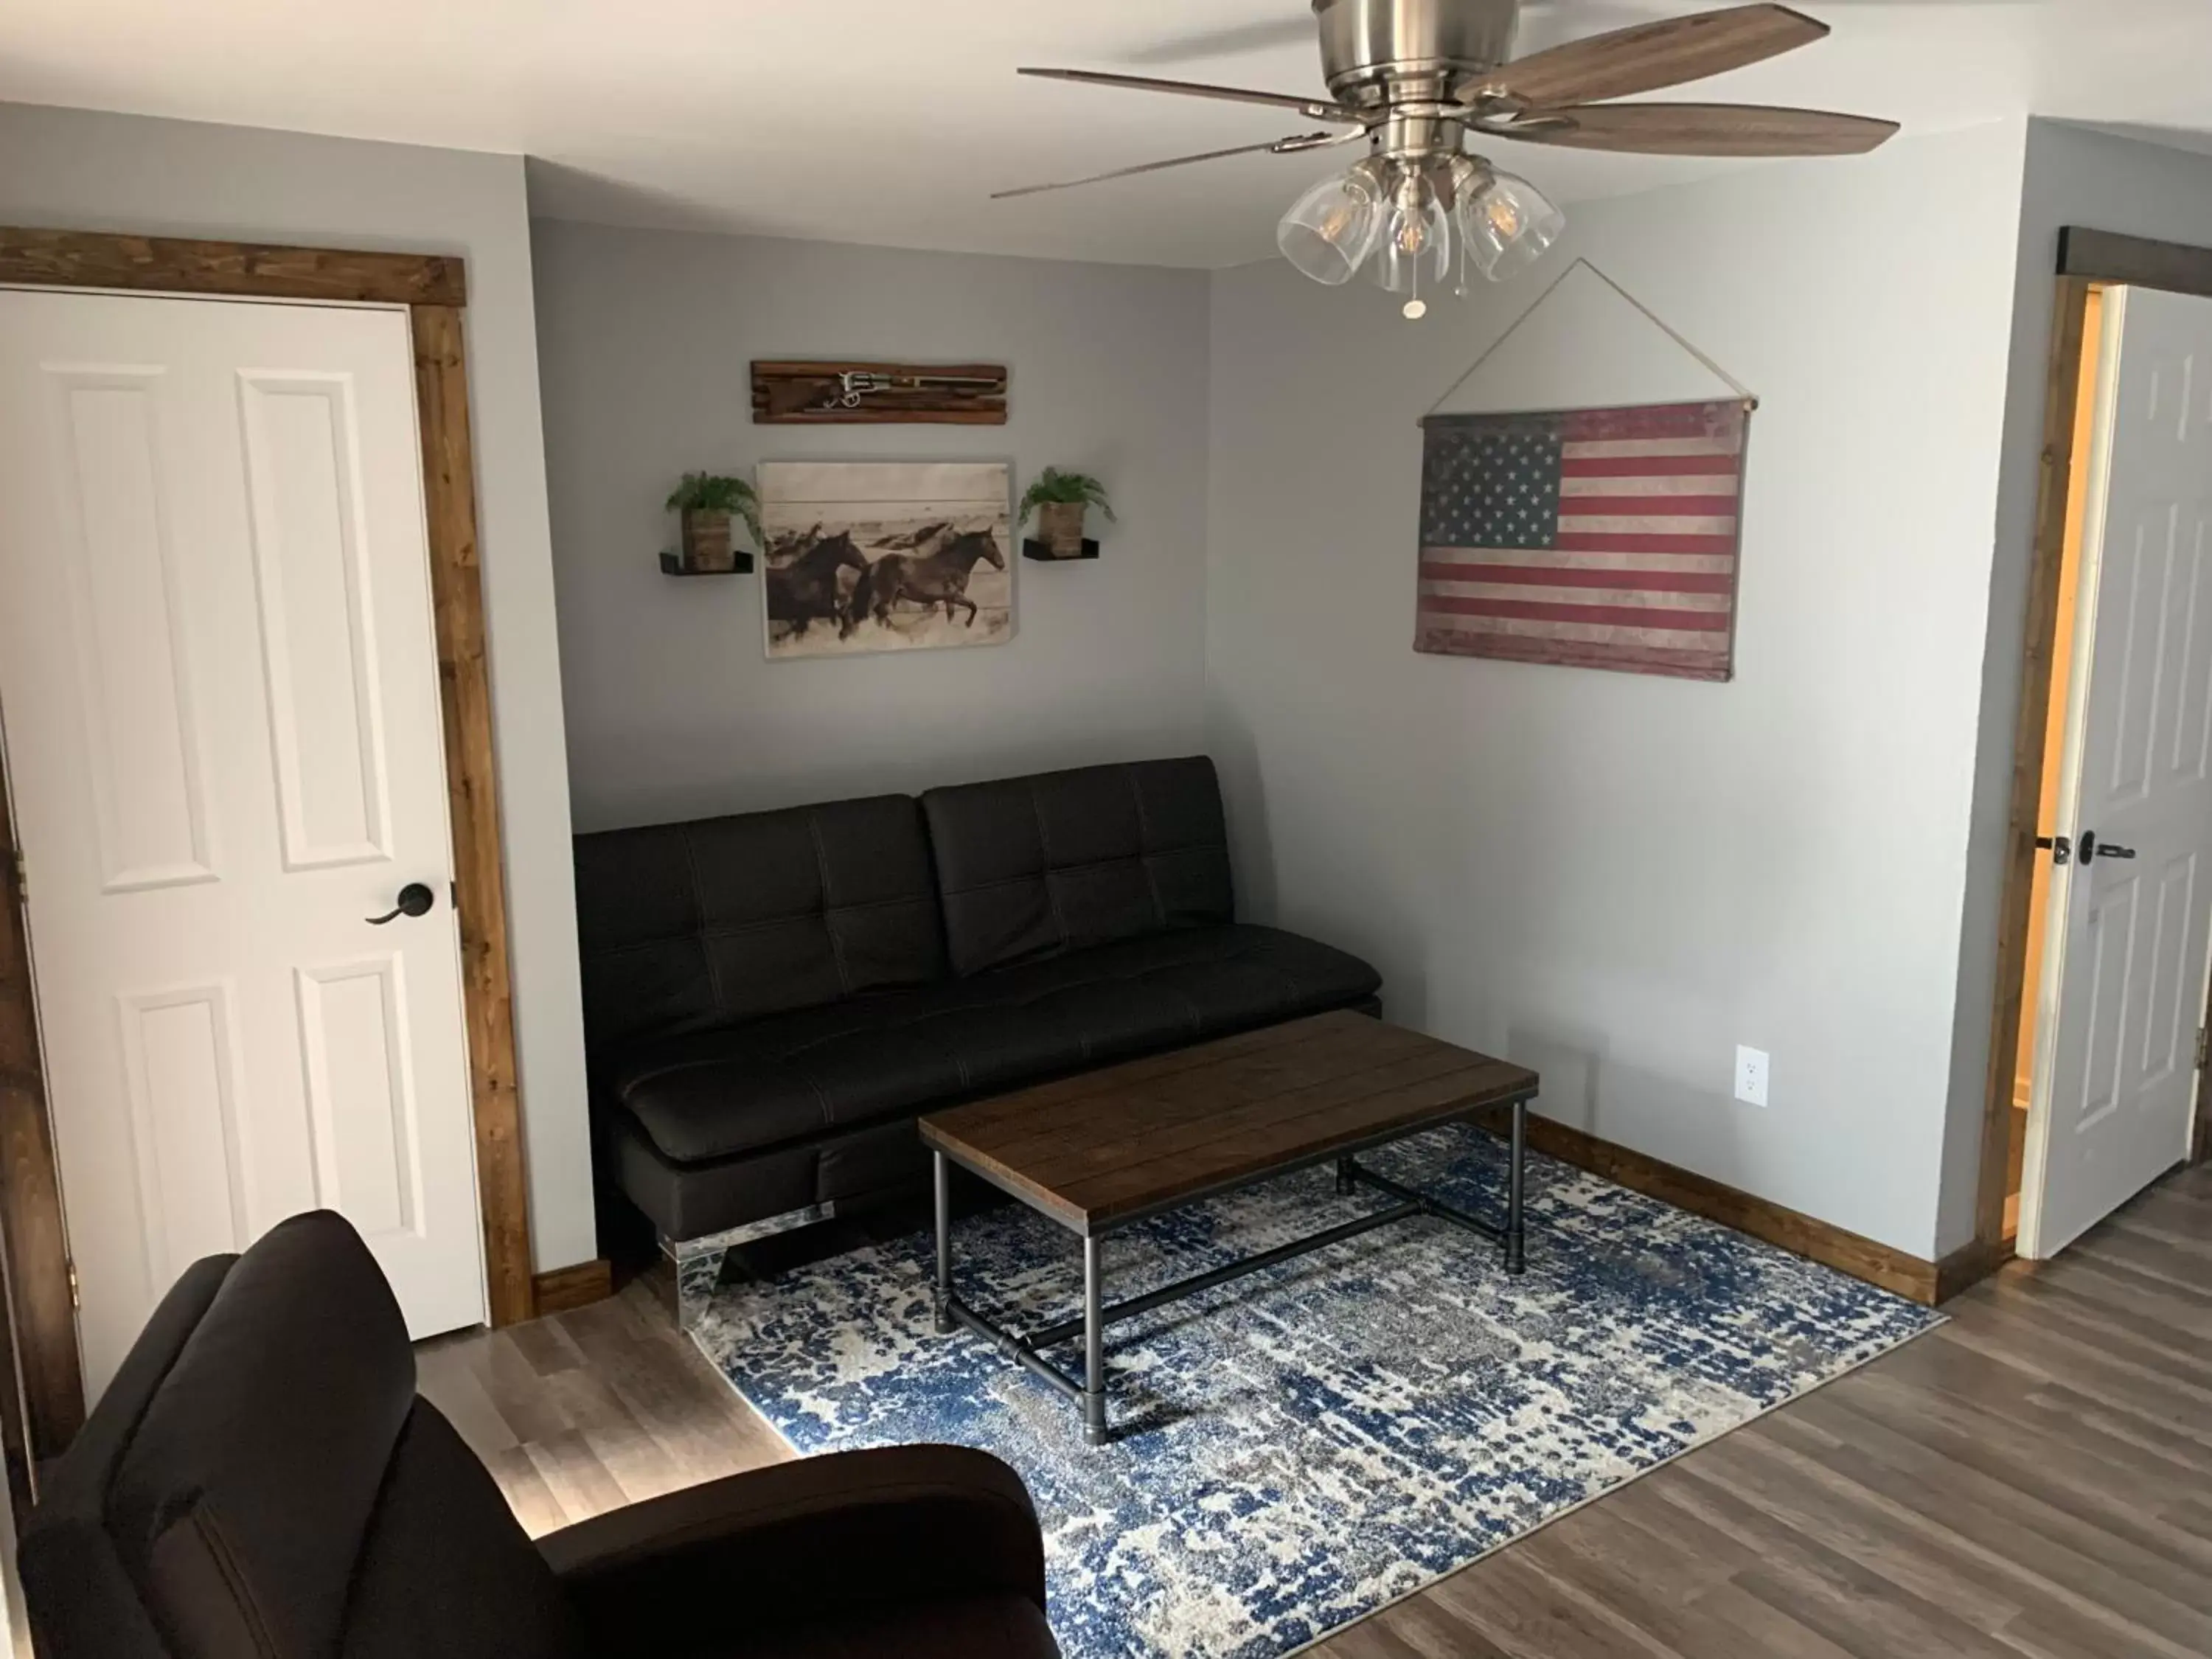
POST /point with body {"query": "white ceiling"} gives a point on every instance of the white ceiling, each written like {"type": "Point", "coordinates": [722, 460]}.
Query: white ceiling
{"type": "Point", "coordinates": [890, 121]}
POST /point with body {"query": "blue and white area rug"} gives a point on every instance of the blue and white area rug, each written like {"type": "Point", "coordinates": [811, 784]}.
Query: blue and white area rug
{"type": "Point", "coordinates": [1298, 1447]}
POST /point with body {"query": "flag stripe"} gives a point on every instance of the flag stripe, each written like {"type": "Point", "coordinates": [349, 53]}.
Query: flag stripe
{"type": "Point", "coordinates": [1572, 542]}
{"type": "Point", "coordinates": [1669, 488]}
{"type": "Point", "coordinates": [1686, 507]}
{"type": "Point", "coordinates": [1588, 633]}
{"type": "Point", "coordinates": [1434, 594]}
{"type": "Point", "coordinates": [1662, 421]}
{"type": "Point", "coordinates": [1580, 465]}
{"type": "Point", "coordinates": [1621, 615]}
{"type": "Point", "coordinates": [1613, 527]}
{"type": "Point", "coordinates": [1651, 581]}
{"type": "Point", "coordinates": [1555, 558]}
{"type": "Point", "coordinates": [1617, 449]}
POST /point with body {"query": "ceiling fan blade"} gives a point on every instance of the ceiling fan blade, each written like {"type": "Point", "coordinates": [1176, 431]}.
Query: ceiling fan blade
{"type": "Point", "coordinates": [1648, 57]}
{"type": "Point", "coordinates": [1317, 109]}
{"type": "Point", "coordinates": [1699, 129]}
{"type": "Point", "coordinates": [1277, 146]}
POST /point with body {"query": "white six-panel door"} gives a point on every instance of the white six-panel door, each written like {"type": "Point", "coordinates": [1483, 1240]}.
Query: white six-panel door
{"type": "Point", "coordinates": [219, 696]}
{"type": "Point", "coordinates": [2123, 991]}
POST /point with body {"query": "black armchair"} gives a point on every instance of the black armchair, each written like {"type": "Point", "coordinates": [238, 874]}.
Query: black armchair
{"type": "Point", "coordinates": [261, 1481]}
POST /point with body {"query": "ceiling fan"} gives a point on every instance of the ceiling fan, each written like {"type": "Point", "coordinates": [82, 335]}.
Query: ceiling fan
{"type": "Point", "coordinates": [1419, 79]}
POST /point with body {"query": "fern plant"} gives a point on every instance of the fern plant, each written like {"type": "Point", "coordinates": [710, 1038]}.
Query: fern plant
{"type": "Point", "coordinates": [1075, 488]}
{"type": "Point", "coordinates": [712, 492]}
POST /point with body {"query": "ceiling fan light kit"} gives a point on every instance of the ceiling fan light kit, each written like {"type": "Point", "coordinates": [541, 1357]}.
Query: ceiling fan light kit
{"type": "Point", "coordinates": [1417, 79]}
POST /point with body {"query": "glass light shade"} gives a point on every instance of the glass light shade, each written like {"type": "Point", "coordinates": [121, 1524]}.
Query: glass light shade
{"type": "Point", "coordinates": [1414, 249]}
{"type": "Point", "coordinates": [1505, 223]}
{"type": "Point", "coordinates": [1331, 230]}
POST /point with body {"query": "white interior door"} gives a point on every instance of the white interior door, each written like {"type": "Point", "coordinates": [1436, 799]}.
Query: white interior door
{"type": "Point", "coordinates": [219, 692]}
{"type": "Point", "coordinates": [2130, 923]}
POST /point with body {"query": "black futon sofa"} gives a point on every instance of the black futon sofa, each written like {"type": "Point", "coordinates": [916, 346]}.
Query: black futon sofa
{"type": "Point", "coordinates": [770, 999]}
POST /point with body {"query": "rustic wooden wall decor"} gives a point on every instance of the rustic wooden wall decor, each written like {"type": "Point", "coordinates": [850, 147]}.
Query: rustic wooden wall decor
{"type": "Point", "coordinates": [879, 394]}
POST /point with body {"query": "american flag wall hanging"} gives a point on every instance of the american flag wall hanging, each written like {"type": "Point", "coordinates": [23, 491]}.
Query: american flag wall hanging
{"type": "Point", "coordinates": [1591, 538]}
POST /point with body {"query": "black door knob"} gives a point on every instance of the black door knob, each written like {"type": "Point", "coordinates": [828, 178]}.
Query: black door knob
{"type": "Point", "coordinates": [414, 900]}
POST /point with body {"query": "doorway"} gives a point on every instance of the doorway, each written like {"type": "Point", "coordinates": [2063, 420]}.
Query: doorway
{"type": "Point", "coordinates": [334, 804]}
{"type": "Point", "coordinates": [2098, 1041]}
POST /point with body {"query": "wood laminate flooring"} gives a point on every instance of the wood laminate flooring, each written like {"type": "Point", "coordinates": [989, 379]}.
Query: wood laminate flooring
{"type": "Point", "coordinates": [2034, 1479]}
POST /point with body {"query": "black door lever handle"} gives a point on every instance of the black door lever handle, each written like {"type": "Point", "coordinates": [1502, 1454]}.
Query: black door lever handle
{"type": "Point", "coordinates": [2093, 849]}
{"type": "Point", "coordinates": [414, 900]}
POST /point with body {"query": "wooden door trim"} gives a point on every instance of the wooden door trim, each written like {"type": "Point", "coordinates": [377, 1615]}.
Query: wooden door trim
{"type": "Point", "coordinates": [433, 287]}
{"type": "Point", "coordinates": [2087, 259]}
{"type": "Point", "coordinates": [2112, 260]}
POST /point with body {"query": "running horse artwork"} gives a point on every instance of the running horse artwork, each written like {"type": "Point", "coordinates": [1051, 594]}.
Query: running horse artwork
{"type": "Point", "coordinates": [937, 577]}
{"type": "Point", "coordinates": [806, 589]}
{"type": "Point", "coordinates": [893, 555]}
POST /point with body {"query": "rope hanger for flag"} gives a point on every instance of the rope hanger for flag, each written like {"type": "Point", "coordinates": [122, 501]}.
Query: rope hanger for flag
{"type": "Point", "coordinates": [1750, 397]}
{"type": "Point", "coordinates": [1598, 536]}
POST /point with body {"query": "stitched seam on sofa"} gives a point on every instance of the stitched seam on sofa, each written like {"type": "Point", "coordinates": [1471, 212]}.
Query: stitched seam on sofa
{"type": "Point", "coordinates": [822, 870]}
{"type": "Point", "coordinates": [217, 1542]}
{"type": "Point", "coordinates": [724, 929]}
{"type": "Point", "coordinates": [1084, 868]}
{"type": "Point", "coordinates": [1144, 848]}
{"type": "Point", "coordinates": [1045, 871]}
{"type": "Point", "coordinates": [699, 932]}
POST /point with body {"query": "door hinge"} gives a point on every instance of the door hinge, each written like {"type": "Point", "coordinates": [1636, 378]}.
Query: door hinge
{"type": "Point", "coordinates": [23, 879]}
{"type": "Point", "coordinates": [76, 1295]}
{"type": "Point", "coordinates": [2203, 1046]}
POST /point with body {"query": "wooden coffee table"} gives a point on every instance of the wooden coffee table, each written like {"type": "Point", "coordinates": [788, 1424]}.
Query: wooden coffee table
{"type": "Point", "coordinates": [1106, 1150]}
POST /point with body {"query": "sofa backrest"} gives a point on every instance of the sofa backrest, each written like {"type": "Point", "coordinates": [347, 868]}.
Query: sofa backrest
{"type": "Point", "coordinates": [231, 1492]}
{"type": "Point", "coordinates": [1031, 867]}
{"type": "Point", "coordinates": [688, 927]}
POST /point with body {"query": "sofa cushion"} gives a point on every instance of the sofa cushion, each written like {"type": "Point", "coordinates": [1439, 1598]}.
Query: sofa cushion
{"type": "Point", "coordinates": [1033, 867]}
{"type": "Point", "coordinates": [801, 1074]}
{"type": "Point", "coordinates": [686, 926]}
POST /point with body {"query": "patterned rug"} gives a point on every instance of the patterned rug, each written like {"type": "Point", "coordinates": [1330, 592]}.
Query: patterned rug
{"type": "Point", "coordinates": [1298, 1447]}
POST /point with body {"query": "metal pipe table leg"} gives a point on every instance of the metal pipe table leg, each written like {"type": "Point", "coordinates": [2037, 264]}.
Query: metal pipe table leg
{"type": "Point", "coordinates": [1094, 1344]}
{"type": "Point", "coordinates": [943, 1174]}
{"type": "Point", "coordinates": [1515, 1260]}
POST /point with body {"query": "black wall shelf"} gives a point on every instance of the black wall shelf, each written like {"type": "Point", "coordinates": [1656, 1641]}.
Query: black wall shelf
{"type": "Point", "coordinates": [1042, 551]}
{"type": "Point", "coordinates": [671, 565]}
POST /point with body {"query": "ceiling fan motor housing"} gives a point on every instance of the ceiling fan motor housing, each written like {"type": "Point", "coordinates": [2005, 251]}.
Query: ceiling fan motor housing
{"type": "Point", "coordinates": [1386, 51]}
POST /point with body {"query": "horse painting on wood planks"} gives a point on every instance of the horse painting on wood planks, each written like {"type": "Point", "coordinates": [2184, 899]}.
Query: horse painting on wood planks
{"type": "Point", "coordinates": [880, 557]}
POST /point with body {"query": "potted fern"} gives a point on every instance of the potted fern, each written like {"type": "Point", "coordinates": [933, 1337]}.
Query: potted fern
{"type": "Point", "coordinates": [706, 501]}
{"type": "Point", "coordinates": [1060, 501]}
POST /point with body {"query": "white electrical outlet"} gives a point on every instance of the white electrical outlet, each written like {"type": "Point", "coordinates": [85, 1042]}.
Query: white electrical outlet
{"type": "Point", "coordinates": [1751, 1066]}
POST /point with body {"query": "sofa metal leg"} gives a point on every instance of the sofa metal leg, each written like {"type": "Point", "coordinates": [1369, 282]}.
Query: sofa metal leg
{"type": "Point", "coordinates": [698, 1275]}
{"type": "Point", "coordinates": [942, 1176]}
{"type": "Point", "coordinates": [1347, 1177]}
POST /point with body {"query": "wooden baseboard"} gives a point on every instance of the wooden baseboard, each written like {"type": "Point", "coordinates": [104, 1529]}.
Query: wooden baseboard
{"type": "Point", "coordinates": [579, 1286]}
{"type": "Point", "coordinates": [1969, 1264]}
{"type": "Point", "coordinates": [1908, 1276]}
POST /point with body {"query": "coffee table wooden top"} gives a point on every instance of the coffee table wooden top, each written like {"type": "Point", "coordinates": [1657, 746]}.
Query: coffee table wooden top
{"type": "Point", "coordinates": [1109, 1146]}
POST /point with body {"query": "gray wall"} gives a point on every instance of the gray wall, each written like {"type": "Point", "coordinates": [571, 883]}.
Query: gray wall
{"type": "Point", "coordinates": [77, 170]}
{"type": "Point", "coordinates": [2072, 177]}
{"type": "Point", "coordinates": [646, 340]}
{"type": "Point", "coordinates": [1613, 878]}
